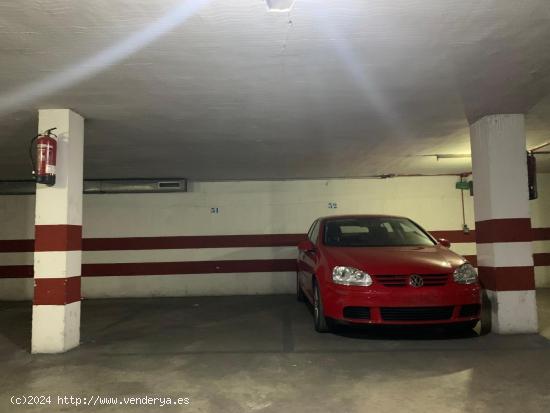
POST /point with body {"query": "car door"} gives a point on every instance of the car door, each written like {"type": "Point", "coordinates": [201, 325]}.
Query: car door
{"type": "Point", "coordinates": [308, 261]}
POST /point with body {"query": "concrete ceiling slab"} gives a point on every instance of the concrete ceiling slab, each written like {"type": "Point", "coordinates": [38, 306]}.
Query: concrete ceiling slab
{"type": "Point", "coordinates": [228, 90]}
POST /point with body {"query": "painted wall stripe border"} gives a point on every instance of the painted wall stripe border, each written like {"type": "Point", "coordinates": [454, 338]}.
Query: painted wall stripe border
{"type": "Point", "coordinates": [202, 241]}
{"type": "Point", "coordinates": [196, 267]}
{"type": "Point", "coordinates": [16, 271]}
{"type": "Point", "coordinates": [17, 245]}
{"type": "Point", "coordinates": [188, 267]}
{"type": "Point", "coordinates": [212, 241]}
{"type": "Point", "coordinates": [164, 268]}
{"type": "Point", "coordinates": [455, 236]}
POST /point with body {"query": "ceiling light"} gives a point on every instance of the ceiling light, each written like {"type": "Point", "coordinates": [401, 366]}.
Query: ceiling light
{"type": "Point", "coordinates": [439, 156]}
{"type": "Point", "coordinates": [279, 5]}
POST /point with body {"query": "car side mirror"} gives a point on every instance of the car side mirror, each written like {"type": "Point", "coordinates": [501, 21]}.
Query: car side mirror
{"type": "Point", "coordinates": [306, 246]}
{"type": "Point", "coordinates": [445, 242]}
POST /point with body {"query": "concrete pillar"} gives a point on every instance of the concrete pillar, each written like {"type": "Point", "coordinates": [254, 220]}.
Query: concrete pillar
{"type": "Point", "coordinates": [503, 223]}
{"type": "Point", "coordinates": [58, 239]}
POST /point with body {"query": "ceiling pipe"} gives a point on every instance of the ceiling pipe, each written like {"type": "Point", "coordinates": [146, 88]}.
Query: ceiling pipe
{"type": "Point", "coordinates": [536, 151]}
{"type": "Point", "coordinates": [105, 186]}
{"type": "Point", "coordinates": [438, 156]}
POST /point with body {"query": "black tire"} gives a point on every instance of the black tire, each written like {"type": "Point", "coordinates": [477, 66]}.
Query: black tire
{"type": "Point", "coordinates": [300, 296]}
{"type": "Point", "coordinates": [321, 323]}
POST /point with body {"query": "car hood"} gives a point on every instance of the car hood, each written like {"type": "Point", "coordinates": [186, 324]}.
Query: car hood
{"type": "Point", "coordinates": [396, 260]}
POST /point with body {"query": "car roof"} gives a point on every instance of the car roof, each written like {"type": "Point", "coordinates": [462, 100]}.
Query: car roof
{"type": "Point", "coordinates": [349, 216]}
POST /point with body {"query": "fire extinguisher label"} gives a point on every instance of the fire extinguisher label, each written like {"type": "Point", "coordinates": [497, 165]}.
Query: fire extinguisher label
{"type": "Point", "coordinates": [50, 169]}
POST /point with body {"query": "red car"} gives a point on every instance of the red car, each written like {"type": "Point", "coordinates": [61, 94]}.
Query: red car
{"type": "Point", "coordinates": [379, 269]}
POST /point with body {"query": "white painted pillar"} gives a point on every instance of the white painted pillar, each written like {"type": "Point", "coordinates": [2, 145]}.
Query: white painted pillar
{"type": "Point", "coordinates": [58, 239]}
{"type": "Point", "coordinates": [503, 223]}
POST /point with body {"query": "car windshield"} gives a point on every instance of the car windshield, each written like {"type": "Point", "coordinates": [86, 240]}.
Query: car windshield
{"type": "Point", "coordinates": [374, 232]}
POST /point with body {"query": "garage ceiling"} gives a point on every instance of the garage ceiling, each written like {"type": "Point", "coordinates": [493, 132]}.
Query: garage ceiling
{"type": "Point", "coordinates": [330, 89]}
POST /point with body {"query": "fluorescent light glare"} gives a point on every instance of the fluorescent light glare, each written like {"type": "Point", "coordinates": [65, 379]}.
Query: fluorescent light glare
{"type": "Point", "coordinates": [279, 5]}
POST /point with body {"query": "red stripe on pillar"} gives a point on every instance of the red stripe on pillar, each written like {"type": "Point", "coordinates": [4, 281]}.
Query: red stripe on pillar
{"type": "Point", "coordinates": [56, 291]}
{"type": "Point", "coordinates": [58, 238]}
{"type": "Point", "coordinates": [504, 230]}
{"type": "Point", "coordinates": [189, 267]}
{"type": "Point", "coordinates": [507, 278]}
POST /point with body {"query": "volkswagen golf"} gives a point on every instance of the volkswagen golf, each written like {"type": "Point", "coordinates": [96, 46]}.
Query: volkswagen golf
{"type": "Point", "coordinates": [377, 269]}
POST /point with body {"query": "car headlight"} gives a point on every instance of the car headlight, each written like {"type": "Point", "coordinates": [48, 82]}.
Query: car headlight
{"type": "Point", "coordinates": [350, 276]}
{"type": "Point", "coordinates": [465, 274]}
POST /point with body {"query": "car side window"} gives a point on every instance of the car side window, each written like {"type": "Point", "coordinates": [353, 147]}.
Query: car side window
{"type": "Point", "coordinates": [314, 232]}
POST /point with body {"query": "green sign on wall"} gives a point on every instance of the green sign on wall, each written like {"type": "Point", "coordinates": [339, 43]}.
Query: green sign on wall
{"type": "Point", "coordinates": [462, 185]}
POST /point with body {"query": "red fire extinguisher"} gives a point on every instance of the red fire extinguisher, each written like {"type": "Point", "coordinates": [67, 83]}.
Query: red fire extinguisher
{"type": "Point", "coordinates": [46, 153]}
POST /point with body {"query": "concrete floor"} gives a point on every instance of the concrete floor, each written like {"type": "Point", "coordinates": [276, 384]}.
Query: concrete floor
{"type": "Point", "coordinates": [260, 353]}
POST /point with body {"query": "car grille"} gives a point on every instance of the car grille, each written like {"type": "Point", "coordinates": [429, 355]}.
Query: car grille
{"type": "Point", "coordinates": [357, 312]}
{"type": "Point", "coordinates": [416, 313]}
{"type": "Point", "coordinates": [470, 310]}
{"type": "Point", "coordinates": [430, 280]}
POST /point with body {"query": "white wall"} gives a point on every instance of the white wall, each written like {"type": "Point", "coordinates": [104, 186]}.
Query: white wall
{"type": "Point", "coordinates": [244, 208]}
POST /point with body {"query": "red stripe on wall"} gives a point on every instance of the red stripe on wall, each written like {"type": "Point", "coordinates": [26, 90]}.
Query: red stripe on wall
{"type": "Point", "coordinates": [207, 241]}
{"type": "Point", "coordinates": [541, 234]}
{"type": "Point", "coordinates": [164, 268]}
{"type": "Point", "coordinates": [58, 237]}
{"type": "Point", "coordinates": [217, 241]}
{"type": "Point", "coordinates": [504, 230]}
{"type": "Point", "coordinates": [507, 278]}
{"type": "Point", "coordinates": [472, 259]}
{"type": "Point", "coordinates": [189, 267]}
{"type": "Point", "coordinates": [541, 259]}
{"type": "Point", "coordinates": [17, 245]}
{"type": "Point", "coordinates": [455, 236]}
{"type": "Point", "coordinates": [195, 267]}
{"type": "Point", "coordinates": [16, 271]}
{"type": "Point", "coordinates": [56, 291]}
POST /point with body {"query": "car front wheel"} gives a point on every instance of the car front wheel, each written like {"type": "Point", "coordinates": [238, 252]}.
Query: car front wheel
{"type": "Point", "coordinates": [321, 323]}
{"type": "Point", "coordinates": [300, 296]}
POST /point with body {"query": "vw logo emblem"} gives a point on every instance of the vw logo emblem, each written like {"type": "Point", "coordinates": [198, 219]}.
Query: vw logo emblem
{"type": "Point", "coordinates": [416, 280]}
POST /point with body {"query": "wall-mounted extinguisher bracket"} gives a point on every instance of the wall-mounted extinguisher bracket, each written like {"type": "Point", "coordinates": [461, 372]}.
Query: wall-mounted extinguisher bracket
{"type": "Point", "coordinates": [45, 147]}
{"type": "Point", "coordinates": [532, 175]}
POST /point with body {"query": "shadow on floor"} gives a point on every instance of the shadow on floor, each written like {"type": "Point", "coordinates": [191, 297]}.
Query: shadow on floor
{"type": "Point", "coordinates": [404, 332]}
{"type": "Point", "coordinates": [239, 324]}
{"type": "Point", "coordinates": [16, 323]}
